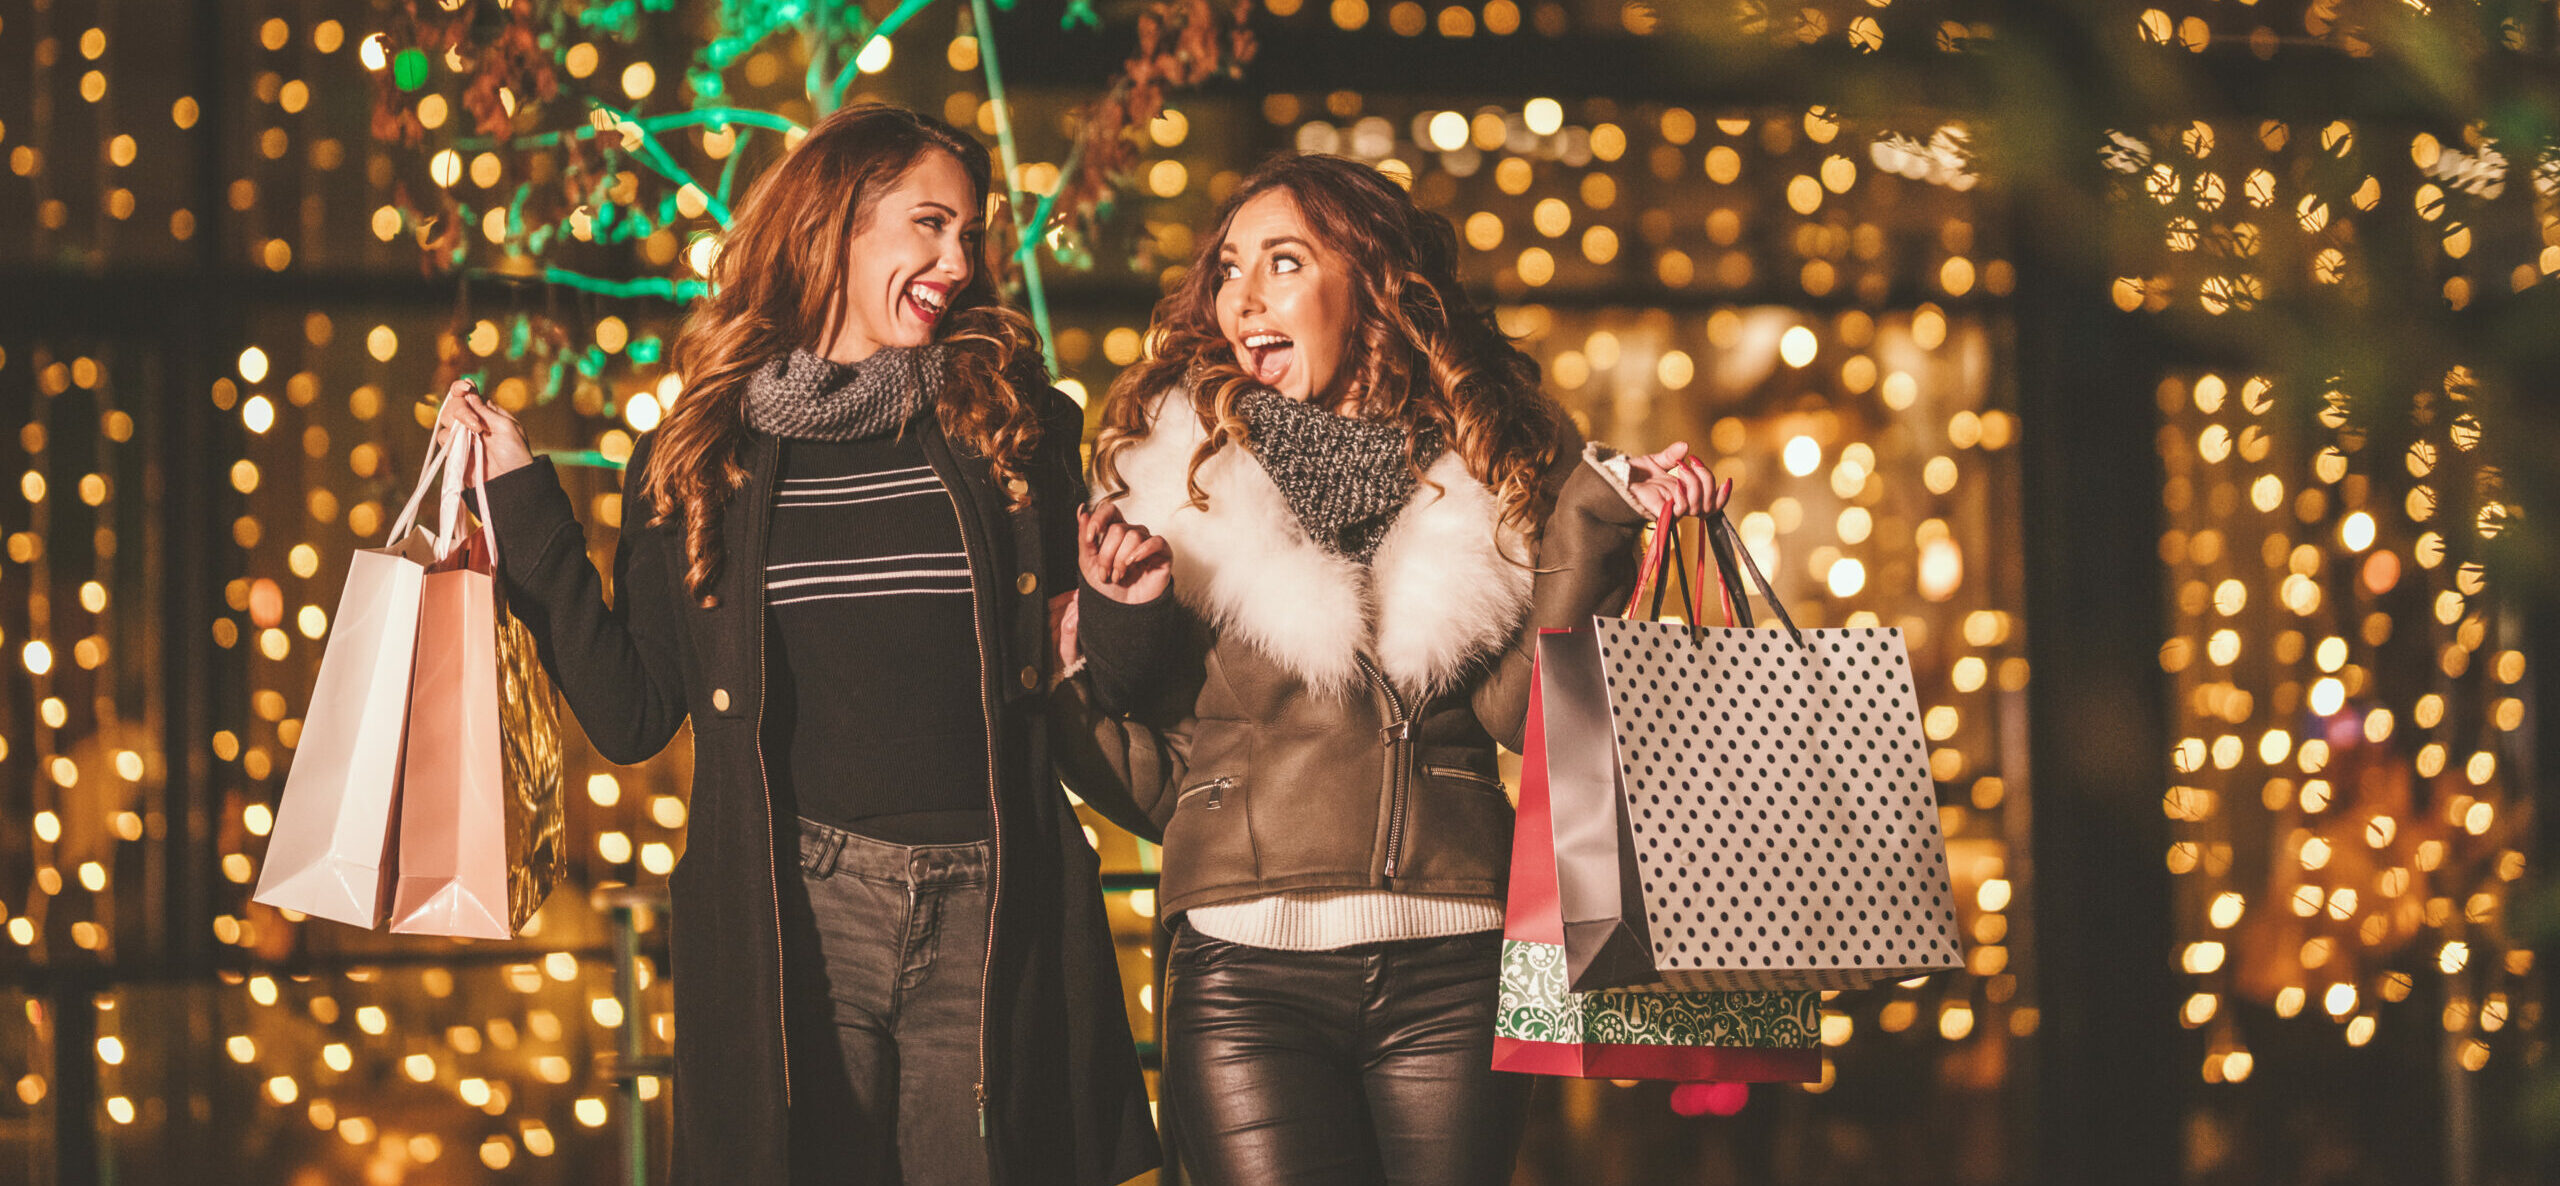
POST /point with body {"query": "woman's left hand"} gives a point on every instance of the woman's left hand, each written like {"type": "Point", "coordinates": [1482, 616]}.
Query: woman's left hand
{"type": "Point", "coordinates": [1672, 484]}
{"type": "Point", "coordinates": [1062, 630]}
{"type": "Point", "coordinates": [1121, 560]}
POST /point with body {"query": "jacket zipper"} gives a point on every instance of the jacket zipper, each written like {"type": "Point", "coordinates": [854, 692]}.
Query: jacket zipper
{"type": "Point", "coordinates": [772, 856]}
{"type": "Point", "coordinates": [995, 811]}
{"type": "Point", "coordinates": [1398, 733]}
{"type": "Point", "coordinates": [1462, 774]}
{"type": "Point", "coordinates": [1215, 787]}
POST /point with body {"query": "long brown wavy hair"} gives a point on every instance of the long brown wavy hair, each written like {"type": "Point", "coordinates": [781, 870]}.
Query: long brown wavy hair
{"type": "Point", "coordinates": [1426, 354]}
{"type": "Point", "coordinates": [778, 285]}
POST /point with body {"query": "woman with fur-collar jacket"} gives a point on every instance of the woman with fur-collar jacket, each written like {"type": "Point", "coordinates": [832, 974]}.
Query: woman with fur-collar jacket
{"type": "Point", "coordinates": [1370, 510]}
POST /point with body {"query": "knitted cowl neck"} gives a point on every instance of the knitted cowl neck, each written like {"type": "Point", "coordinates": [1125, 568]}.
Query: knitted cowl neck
{"type": "Point", "coordinates": [1344, 477]}
{"type": "Point", "coordinates": [809, 397]}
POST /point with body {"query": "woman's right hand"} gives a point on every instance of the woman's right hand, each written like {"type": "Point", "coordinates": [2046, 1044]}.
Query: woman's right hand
{"type": "Point", "coordinates": [466, 410]}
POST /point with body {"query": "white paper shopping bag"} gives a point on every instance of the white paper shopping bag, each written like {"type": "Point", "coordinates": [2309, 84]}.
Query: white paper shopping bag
{"type": "Point", "coordinates": [329, 854]}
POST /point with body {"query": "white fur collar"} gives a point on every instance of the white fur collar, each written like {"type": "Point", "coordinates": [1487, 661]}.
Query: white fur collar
{"type": "Point", "coordinates": [1443, 592]}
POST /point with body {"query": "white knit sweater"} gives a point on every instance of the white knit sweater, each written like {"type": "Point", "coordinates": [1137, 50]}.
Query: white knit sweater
{"type": "Point", "coordinates": [1323, 920]}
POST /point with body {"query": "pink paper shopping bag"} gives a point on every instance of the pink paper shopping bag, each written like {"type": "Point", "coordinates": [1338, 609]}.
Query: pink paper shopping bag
{"type": "Point", "coordinates": [481, 823]}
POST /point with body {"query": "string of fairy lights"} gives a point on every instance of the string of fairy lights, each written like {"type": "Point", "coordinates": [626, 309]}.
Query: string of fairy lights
{"type": "Point", "coordinates": [2347, 691]}
{"type": "Point", "coordinates": [1813, 295]}
{"type": "Point", "coordinates": [2348, 832]}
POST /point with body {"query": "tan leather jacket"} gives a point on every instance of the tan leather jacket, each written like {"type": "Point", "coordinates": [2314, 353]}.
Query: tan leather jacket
{"type": "Point", "coordinates": [1290, 720]}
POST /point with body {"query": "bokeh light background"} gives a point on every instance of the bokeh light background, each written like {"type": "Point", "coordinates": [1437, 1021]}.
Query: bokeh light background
{"type": "Point", "coordinates": [1851, 248]}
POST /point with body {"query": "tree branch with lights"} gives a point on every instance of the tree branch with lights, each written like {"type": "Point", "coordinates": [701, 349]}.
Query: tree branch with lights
{"type": "Point", "coordinates": [503, 188]}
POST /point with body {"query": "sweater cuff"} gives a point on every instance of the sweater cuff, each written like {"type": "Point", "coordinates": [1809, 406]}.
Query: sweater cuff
{"type": "Point", "coordinates": [1121, 628]}
{"type": "Point", "coordinates": [1126, 648]}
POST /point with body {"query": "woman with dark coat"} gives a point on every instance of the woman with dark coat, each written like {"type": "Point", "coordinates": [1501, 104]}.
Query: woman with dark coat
{"type": "Point", "coordinates": [891, 961]}
{"type": "Point", "coordinates": [1371, 510]}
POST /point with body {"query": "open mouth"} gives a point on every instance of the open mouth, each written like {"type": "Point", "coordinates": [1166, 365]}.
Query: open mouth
{"type": "Point", "coordinates": [927, 301]}
{"type": "Point", "coordinates": [1267, 357]}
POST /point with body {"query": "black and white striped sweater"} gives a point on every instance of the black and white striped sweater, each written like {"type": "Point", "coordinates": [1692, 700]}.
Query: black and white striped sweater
{"type": "Point", "coordinates": [874, 705]}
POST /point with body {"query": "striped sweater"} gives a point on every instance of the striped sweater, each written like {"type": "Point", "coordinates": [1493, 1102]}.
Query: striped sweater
{"type": "Point", "coordinates": [874, 645]}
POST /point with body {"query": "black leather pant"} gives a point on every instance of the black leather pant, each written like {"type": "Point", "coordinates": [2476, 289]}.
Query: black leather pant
{"type": "Point", "coordinates": [1367, 1065]}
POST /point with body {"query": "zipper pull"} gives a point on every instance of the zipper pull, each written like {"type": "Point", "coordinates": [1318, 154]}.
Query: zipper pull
{"type": "Point", "coordinates": [1217, 793]}
{"type": "Point", "coordinates": [1398, 730]}
{"type": "Point", "coordinates": [982, 1111]}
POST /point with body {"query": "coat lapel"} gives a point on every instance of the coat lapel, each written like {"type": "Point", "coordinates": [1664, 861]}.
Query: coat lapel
{"type": "Point", "coordinates": [1447, 587]}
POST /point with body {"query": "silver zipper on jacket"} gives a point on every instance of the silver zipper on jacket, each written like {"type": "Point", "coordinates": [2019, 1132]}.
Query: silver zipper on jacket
{"type": "Point", "coordinates": [995, 811]}
{"type": "Point", "coordinates": [1398, 733]}
{"type": "Point", "coordinates": [1462, 774]}
{"type": "Point", "coordinates": [1215, 788]}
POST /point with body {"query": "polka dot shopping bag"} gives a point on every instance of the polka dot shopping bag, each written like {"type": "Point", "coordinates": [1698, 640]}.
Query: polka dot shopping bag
{"type": "Point", "coordinates": [1740, 808]}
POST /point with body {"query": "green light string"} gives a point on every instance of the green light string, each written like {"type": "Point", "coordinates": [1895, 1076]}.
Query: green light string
{"type": "Point", "coordinates": [729, 169]}
{"type": "Point", "coordinates": [587, 458]}
{"type": "Point", "coordinates": [654, 154]}
{"type": "Point", "coordinates": [1048, 206]}
{"type": "Point", "coordinates": [679, 291]}
{"type": "Point", "coordinates": [888, 25]}
{"type": "Point", "coordinates": [1033, 291]}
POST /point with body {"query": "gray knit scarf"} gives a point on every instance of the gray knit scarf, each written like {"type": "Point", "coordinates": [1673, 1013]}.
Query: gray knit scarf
{"type": "Point", "coordinates": [1346, 478]}
{"type": "Point", "coordinates": [805, 396]}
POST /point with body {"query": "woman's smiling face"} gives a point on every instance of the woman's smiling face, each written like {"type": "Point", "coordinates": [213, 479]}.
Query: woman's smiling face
{"type": "Point", "coordinates": [1284, 302]}
{"type": "Point", "coordinates": [917, 246]}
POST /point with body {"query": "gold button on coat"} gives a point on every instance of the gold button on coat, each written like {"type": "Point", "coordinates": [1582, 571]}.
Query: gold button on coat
{"type": "Point", "coordinates": [720, 699]}
{"type": "Point", "coordinates": [1016, 486]}
{"type": "Point", "coordinates": [1030, 677]}
{"type": "Point", "coordinates": [1027, 582]}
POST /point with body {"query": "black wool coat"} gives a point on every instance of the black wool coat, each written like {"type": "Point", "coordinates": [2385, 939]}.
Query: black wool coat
{"type": "Point", "coordinates": [1064, 1100]}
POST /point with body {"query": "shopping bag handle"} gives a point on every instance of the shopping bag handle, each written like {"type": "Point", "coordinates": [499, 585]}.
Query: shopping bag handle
{"type": "Point", "coordinates": [466, 467]}
{"type": "Point", "coordinates": [1649, 576]}
{"type": "Point", "coordinates": [437, 451]}
{"type": "Point", "coordinates": [1733, 558]}
{"type": "Point", "coordinates": [1666, 550]}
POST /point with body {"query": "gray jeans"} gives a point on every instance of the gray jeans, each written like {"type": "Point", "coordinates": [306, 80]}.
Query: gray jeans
{"type": "Point", "coordinates": [900, 941]}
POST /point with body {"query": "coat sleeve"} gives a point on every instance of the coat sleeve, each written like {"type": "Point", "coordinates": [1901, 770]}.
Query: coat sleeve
{"type": "Point", "coordinates": [618, 664]}
{"type": "Point", "coordinates": [1058, 479]}
{"type": "Point", "coordinates": [1126, 769]}
{"type": "Point", "coordinates": [1130, 757]}
{"type": "Point", "coordinates": [1586, 561]}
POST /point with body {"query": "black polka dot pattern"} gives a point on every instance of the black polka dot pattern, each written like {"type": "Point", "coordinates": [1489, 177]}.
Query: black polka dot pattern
{"type": "Point", "coordinates": [1779, 799]}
